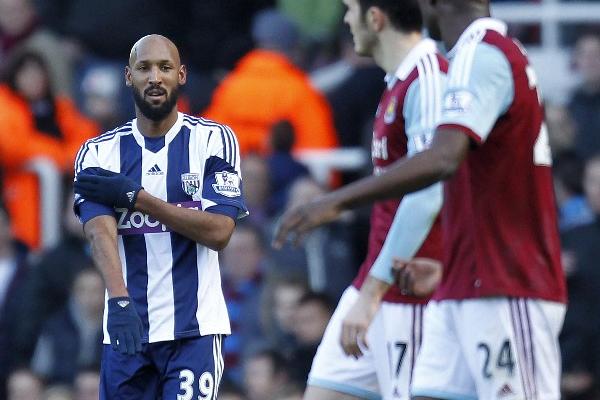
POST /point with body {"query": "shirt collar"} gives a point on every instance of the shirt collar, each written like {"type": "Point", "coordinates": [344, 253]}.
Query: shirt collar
{"type": "Point", "coordinates": [475, 28]}
{"type": "Point", "coordinates": [424, 47]}
{"type": "Point", "coordinates": [171, 133]}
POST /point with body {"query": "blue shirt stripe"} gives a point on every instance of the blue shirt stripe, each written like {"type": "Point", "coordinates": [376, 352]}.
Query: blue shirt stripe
{"type": "Point", "coordinates": [184, 250]}
{"type": "Point", "coordinates": [102, 138]}
{"type": "Point", "coordinates": [235, 146]}
{"type": "Point", "coordinates": [135, 245]}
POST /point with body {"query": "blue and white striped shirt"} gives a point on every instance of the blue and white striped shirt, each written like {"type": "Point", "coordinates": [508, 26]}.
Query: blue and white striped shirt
{"type": "Point", "coordinates": [173, 281]}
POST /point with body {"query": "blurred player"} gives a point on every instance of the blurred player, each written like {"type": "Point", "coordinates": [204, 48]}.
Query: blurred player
{"type": "Point", "coordinates": [492, 331]}
{"type": "Point", "coordinates": [390, 32]}
{"type": "Point", "coordinates": [158, 198]}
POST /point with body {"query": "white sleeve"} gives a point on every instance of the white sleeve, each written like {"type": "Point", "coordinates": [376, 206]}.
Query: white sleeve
{"type": "Point", "coordinates": [87, 157]}
{"type": "Point", "coordinates": [222, 173]}
{"type": "Point", "coordinates": [417, 211]}
{"type": "Point", "coordinates": [413, 221]}
{"type": "Point", "coordinates": [480, 89]}
{"type": "Point", "coordinates": [423, 105]}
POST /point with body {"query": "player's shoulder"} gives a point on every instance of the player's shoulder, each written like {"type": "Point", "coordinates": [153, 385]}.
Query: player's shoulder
{"type": "Point", "coordinates": [109, 137]}
{"type": "Point", "coordinates": [480, 61]}
{"type": "Point", "coordinates": [113, 134]}
{"type": "Point", "coordinates": [200, 125]}
{"type": "Point", "coordinates": [424, 60]}
{"type": "Point", "coordinates": [209, 132]}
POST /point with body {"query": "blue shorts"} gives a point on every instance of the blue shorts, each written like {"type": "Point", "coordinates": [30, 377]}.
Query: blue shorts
{"type": "Point", "coordinates": [182, 369]}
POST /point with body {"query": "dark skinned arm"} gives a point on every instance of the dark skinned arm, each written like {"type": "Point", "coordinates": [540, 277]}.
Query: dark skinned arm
{"type": "Point", "coordinates": [448, 149]}
{"type": "Point", "coordinates": [101, 232]}
{"type": "Point", "coordinates": [209, 229]}
{"type": "Point", "coordinates": [439, 162]}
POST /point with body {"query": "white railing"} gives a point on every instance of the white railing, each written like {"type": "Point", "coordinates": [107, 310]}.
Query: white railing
{"type": "Point", "coordinates": [321, 162]}
{"type": "Point", "coordinates": [50, 210]}
{"type": "Point", "coordinates": [551, 61]}
{"type": "Point", "coordinates": [549, 14]}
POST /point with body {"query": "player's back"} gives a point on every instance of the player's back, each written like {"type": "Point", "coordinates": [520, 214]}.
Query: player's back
{"type": "Point", "coordinates": [499, 216]}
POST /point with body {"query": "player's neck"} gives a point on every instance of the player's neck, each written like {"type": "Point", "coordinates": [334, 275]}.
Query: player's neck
{"type": "Point", "coordinates": [393, 49]}
{"type": "Point", "coordinates": [150, 128]}
{"type": "Point", "coordinates": [454, 25]}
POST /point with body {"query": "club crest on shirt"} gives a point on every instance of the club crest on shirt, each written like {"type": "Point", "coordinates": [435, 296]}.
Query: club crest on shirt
{"type": "Point", "coordinates": [190, 183]}
{"type": "Point", "coordinates": [390, 111]}
{"type": "Point", "coordinates": [227, 184]}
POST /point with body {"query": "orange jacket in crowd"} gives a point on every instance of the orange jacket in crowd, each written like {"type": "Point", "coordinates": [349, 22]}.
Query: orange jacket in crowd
{"type": "Point", "coordinates": [264, 88]}
{"type": "Point", "coordinates": [20, 142]}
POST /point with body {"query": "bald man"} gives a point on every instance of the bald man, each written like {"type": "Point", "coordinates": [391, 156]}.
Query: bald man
{"type": "Point", "coordinates": [491, 329]}
{"type": "Point", "coordinates": [158, 197]}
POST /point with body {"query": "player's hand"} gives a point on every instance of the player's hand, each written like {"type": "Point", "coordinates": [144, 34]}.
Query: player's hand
{"type": "Point", "coordinates": [355, 325]}
{"type": "Point", "coordinates": [124, 326]}
{"type": "Point", "coordinates": [418, 277]}
{"type": "Point", "coordinates": [299, 220]}
{"type": "Point", "coordinates": [107, 187]}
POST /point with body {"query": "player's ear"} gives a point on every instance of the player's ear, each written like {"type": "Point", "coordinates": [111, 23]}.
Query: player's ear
{"type": "Point", "coordinates": [182, 74]}
{"type": "Point", "coordinates": [376, 18]}
{"type": "Point", "coordinates": [128, 76]}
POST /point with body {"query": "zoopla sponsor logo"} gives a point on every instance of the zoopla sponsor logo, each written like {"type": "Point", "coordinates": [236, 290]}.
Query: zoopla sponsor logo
{"type": "Point", "coordinates": [136, 222]}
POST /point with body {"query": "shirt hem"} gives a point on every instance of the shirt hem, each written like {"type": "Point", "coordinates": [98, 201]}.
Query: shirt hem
{"type": "Point", "coordinates": [464, 129]}
{"type": "Point", "coordinates": [554, 299]}
{"type": "Point", "coordinates": [185, 335]}
{"type": "Point", "coordinates": [395, 299]}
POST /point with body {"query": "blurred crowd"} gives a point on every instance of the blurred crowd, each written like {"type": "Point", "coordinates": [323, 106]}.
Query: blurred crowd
{"type": "Point", "coordinates": [284, 76]}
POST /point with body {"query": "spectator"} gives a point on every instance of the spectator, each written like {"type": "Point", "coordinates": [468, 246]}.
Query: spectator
{"type": "Point", "coordinates": [24, 385]}
{"type": "Point", "coordinates": [72, 337]}
{"type": "Point", "coordinates": [58, 392]}
{"type": "Point", "coordinates": [581, 330]}
{"type": "Point", "coordinates": [257, 190]}
{"type": "Point", "coordinates": [291, 391]}
{"type": "Point", "coordinates": [561, 128]}
{"type": "Point", "coordinates": [20, 29]}
{"type": "Point", "coordinates": [49, 284]}
{"type": "Point", "coordinates": [327, 253]}
{"type": "Point", "coordinates": [265, 372]}
{"type": "Point", "coordinates": [265, 87]}
{"type": "Point", "coordinates": [585, 102]}
{"type": "Point", "coordinates": [230, 391]}
{"type": "Point", "coordinates": [100, 90]}
{"type": "Point", "coordinates": [573, 209]}
{"type": "Point", "coordinates": [13, 275]}
{"type": "Point", "coordinates": [243, 264]}
{"type": "Point", "coordinates": [312, 315]}
{"type": "Point", "coordinates": [283, 167]}
{"type": "Point", "coordinates": [87, 384]}
{"type": "Point", "coordinates": [353, 86]}
{"type": "Point", "coordinates": [280, 302]}
{"type": "Point", "coordinates": [35, 123]}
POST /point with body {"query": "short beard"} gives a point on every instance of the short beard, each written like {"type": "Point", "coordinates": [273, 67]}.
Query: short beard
{"type": "Point", "coordinates": [155, 113]}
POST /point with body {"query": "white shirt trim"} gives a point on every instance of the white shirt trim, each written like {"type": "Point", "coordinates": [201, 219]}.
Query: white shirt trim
{"type": "Point", "coordinates": [475, 29]}
{"type": "Point", "coordinates": [419, 51]}
{"type": "Point", "coordinates": [169, 136]}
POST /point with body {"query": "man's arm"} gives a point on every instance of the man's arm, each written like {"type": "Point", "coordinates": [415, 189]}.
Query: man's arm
{"type": "Point", "coordinates": [209, 229]}
{"type": "Point", "coordinates": [411, 226]}
{"type": "Point", "coordinates": [123, 324]}
{"type": "Point", "coordinates": [448, 148]}
{"type": "Point", "coordinates": [357, 320]}
{"type": "Point", "coordinates": [101, 232]}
